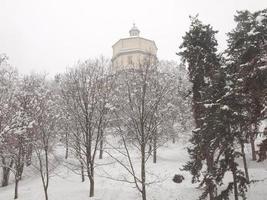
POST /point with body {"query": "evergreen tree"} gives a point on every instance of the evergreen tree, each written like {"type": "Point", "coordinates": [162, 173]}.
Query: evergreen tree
{"type": "Point", "coordinates": [231, 138]}
{"type": "Point", "coordinates": [217, 107]}
{"type": "Point", "coordinates": [199, 51]}
{"type": "Point", "coordinates": [247, 52]}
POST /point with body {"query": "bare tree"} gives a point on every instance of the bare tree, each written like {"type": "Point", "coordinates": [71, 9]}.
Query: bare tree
{"type": "Point", "coordinates": [16, 127]}
{"type": "Point", "coordinates": [8, 81]}
{"type": "Point", "coordinates": [85, 92]}
{"type": "Point", "coordinates": [139, 108]}
{"type": "Point", "coordinates": [45, 126]}
{"type": "Point", "coordinates": [179, 119]}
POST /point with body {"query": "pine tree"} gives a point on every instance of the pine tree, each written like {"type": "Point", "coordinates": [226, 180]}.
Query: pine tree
{"type": "Point", "coordinates": [232, 117]}
{"type": "Point", "coordinates": [218, 111]}
{"type": "Point", "coordinates": [199, 51]}
{"type": "Point", "coordinates": [247, 51]}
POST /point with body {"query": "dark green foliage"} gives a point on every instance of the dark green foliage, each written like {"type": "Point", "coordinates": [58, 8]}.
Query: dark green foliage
{"type": "Point", "coordinates": [199, 51]}
{"type": "Point", "coordinates": [227, 101]}
{"type": "Point", "coordinates": [247, 50]}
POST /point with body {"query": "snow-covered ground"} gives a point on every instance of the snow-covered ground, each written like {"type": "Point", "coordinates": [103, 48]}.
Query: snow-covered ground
{"type": "Point", "coordinates": [66, 185]}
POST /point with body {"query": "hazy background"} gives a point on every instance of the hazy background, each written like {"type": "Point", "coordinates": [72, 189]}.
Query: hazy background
{"type": "Point", "coordinates": [49, 35]}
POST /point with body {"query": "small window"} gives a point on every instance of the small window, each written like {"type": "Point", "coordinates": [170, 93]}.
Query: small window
{"type": "Point", "coordinates": [130, 60]}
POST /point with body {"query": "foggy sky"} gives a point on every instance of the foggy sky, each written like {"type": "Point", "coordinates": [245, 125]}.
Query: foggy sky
{"type": "Point", "coordinates": [50, 35]}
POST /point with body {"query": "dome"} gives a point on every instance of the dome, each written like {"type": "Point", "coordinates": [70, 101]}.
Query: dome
{"type": "Point", "coordinates": [134, 31]}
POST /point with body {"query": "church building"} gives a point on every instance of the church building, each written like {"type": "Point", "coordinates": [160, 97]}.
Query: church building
{"type": "Point", "coordinates": [133, 51]}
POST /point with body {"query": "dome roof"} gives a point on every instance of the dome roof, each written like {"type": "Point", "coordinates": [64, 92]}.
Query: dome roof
{"type": "Point", "coordinates": [134, 31]}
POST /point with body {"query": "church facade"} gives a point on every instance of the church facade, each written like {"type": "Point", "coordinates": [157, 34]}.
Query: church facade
{"type": "Point", "coordinates": [133, 51]}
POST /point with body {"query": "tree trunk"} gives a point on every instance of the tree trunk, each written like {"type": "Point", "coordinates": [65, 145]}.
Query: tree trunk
{"type": "Point", "coordinates": [6, 172]}
{"type": "Point", "coordinates": [143, 172]}
{"type": "Point", "coordinates": [45, 186]}
{"type": "Point", "coordinates": [101, 145]}
{"type": "Point", "coordinates": [29, 155]}
{"type": "Point", "coordinates": [244, 161]}
{"type": "Point", "coordinates": [21, 171]}
{"type": "Point", "coordinates": [252, 141]}
{"type": "Point", "coordinates": [82, 172]}
{"type": "Point", "coordinates": [253, 151]}
{"type": "Point", "coordinates": [90, 173]}
{"type": "Point", "coordinates": [16, 187]}
{"type": "Point", "coordinates": [155, 149]}
{"type": "Point", "coordinates": [235, 184]}
{"type": "Point", "coordinates": [5, 178]}
{"type": "Point", "coordinates": [209, 159]}
{"type": "Point", "coordinates": [92, 187]}
{"type": "Point", "coordinates": [45, 172]}
{"type": "Point", "coordinates": [67, 146]}
{"type": "Point", "coordinates": [149, 148]}
{"type": "Point", "coordinates": [155, 138]}
{"type": "Point", "coordinates": [81, 162]}
{"type": "Point", "coordinates": [46, 193]}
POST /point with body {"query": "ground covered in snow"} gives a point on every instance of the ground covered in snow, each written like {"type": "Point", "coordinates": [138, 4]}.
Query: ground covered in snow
{"type": "Point", "coordinates": [66, 185]}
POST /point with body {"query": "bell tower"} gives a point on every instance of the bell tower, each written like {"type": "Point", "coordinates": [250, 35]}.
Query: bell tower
{"type": "Point", "coordinates": [131, 52]}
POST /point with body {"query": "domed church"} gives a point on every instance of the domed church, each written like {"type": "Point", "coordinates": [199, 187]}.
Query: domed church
{"type": "Point", "coordinates": [131, 52]}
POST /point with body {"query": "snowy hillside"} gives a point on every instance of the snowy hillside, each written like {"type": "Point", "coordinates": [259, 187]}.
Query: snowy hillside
{"type": "Point", "coordinates": [68, 186]}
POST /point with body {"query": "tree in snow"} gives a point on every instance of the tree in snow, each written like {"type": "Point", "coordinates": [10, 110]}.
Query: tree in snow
{"type": "Point", "coordinates": [8, 81]}
{"type": "Point", "coordinates": [180, 115]}
{"type": "Point", "coordinates": [213, 152]}
{"type": "Point", "coordinates": [16, 133]}
{"type": "Point", "coordinates": [19, 134]}
{"type": "Point", "coordinates": [85, 93]}
{"type": "Point", "coordinates": [247, 51]}
{"type": "Point", "coordinates": [139, 108]}
{"type": "Point", "coordinates": [199, 51]}
{"type": "Point", "coordinates": [42, 112]}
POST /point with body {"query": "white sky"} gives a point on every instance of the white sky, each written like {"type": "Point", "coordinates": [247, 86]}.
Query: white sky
{"type": "Point", "coordinates": [49, 35]}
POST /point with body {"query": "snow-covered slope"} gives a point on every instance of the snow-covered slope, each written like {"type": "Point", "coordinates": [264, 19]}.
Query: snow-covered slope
{"type": "Point", "coordinates": [65, 185]}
